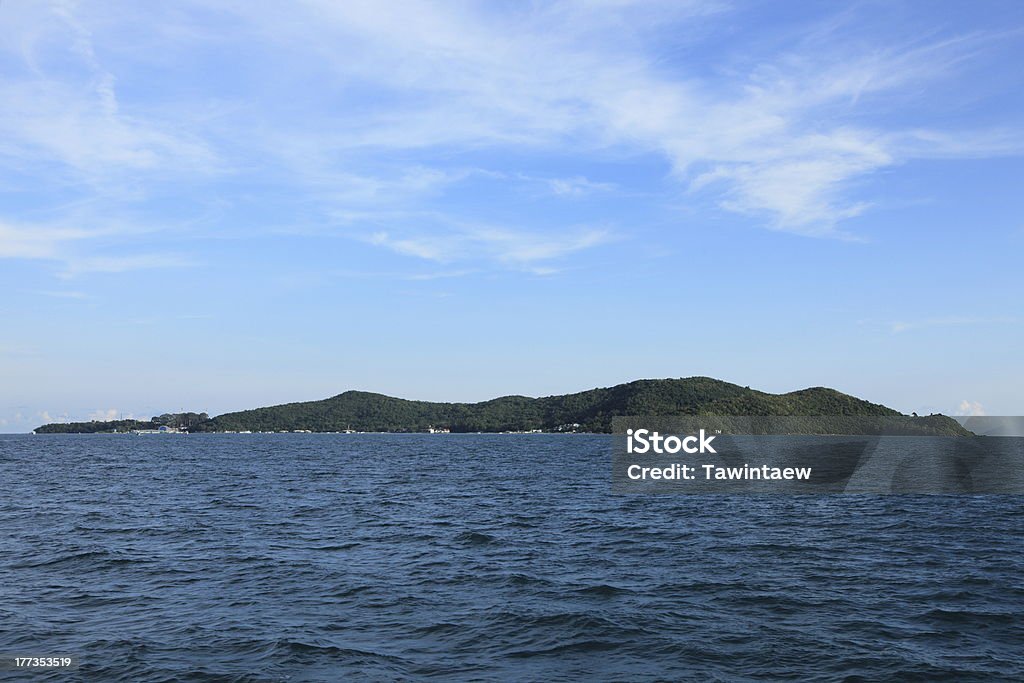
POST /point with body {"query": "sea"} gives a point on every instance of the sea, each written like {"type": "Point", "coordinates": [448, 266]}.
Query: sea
{"type": "Point", "coordinates": [498, 557]}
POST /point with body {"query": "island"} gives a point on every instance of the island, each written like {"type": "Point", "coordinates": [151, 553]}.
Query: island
{"type": "Point", "coordinates": [585, 411]}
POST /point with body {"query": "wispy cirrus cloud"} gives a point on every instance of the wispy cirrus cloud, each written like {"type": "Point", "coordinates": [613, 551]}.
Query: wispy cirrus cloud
{"type": "Point", "coordinates": [61, 294]}
{"type": "Point", "coordinates": [514, 248]}
{"type": "Point", "coordinates": [62, 245]}
{"type": "Point", "coordinates": [351, 113]}
{"type": "Point", "coordinates": [36, 241]}
{"type": "Point", "coordinates": [571, 186]}
{"type": "Point", "coordinates": [126, 263]}
{"type": "Point", "coordinates": [62, 112]}
{"type": "Point", "coordinates": [783, 141]}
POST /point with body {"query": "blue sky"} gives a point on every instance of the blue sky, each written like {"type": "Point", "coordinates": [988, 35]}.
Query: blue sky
{"type": "Point", "coordinates": [219, 205]}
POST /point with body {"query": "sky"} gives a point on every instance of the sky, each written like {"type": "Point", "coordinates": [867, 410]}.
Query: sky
{"type": "Point", "coordinates": [219, 205]}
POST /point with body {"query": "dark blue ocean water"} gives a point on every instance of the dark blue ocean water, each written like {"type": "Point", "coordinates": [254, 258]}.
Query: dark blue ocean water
{"type": "Point", "coordinates": [480, 557]}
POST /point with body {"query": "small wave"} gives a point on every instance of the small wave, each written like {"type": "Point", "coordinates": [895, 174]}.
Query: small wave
{"type": "Point", "coordinates": [524, 580]}
{"type": "Point", "coordinates": [442, 628]}
{"type": "Point", "coordinates": [603, 590]}
{"type": "Point", "coordinates": [969, 617]}
{"type": "Point", "coordinates": [90, 558]}
{"type": "Point", "coordinates": [296, 651]}
{"type": "Point", "coordinates": [338, 547]}
{"type": "Point", "coordinates": [581, 646]}
{"type": "Point", "coordinates": [475, 538]}
{"type": "Point", "coordinates": [347, 591]}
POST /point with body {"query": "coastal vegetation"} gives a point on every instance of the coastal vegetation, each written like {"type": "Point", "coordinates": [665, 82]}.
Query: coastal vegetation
{"type": "Point", "coordinates": [586, 411]}
{"type": "Point", "coordinates": [182, 421]}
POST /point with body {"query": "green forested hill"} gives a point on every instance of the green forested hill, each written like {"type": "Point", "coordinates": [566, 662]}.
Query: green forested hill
{"type": "Point", "coordinates": [586, 411]}
{"type": "Point", "coordinates": [591, 411]}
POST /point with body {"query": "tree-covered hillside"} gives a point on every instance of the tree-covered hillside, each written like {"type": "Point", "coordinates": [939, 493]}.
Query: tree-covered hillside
{"type": "Point", "coordinates": [586, 411]}
{"type": "Point", "coordinates": [590, 410]}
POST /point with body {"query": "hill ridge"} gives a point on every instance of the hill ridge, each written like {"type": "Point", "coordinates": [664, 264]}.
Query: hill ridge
{"type": "Point", "coordinates": [590, 410]}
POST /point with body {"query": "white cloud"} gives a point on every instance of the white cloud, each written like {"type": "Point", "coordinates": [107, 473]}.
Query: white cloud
{"type": "Point", "coordinates": [36, 241]}
{"type": "Point", "coordinates": [576, 186]}
{"type": "Point", "coordinates": [104, 415]}
{"type": "Point", "coordinates": [425, 248]}
{"type": "Point", "coordinates": [521, 248]}
{"type": "Point", "coordinates": [438, 275]}
{"type": "Point", "coordinates": [62, 294]}
{"type": "Point", "coordinates": [361, 111]}
{"type": "Point", "coordinates": [58, 243]}
{"type": "Point", "coordinates": [71, 116]}
{"type": "Point", "coordinates": [776, 141]}
{"type": "Point", "coordinates": [125, 263]}
{"type": "Point", "coordinates": [970, 408]}
{"type": "Point", "coordinates": [56, 123]}
{"type": "Point", "coordinates": [513, 248]}
{"type": "Point", "coordinates": [349, 189]}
